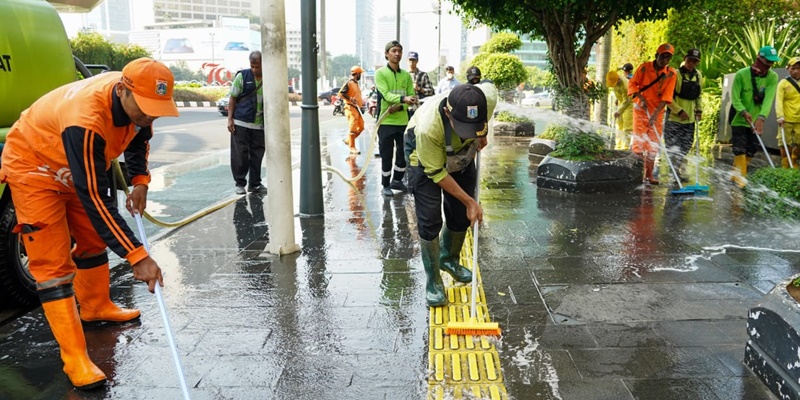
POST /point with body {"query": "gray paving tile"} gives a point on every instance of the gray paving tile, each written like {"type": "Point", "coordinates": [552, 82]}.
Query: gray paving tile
{"type": "Point", "coordinates": [670, 389]}
{"type": "Point", "coordinates": [626, 335]}
{"type": "Point", "coordinates": [611, 363]}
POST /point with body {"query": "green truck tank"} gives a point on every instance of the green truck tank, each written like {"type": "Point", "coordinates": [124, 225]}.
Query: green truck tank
{"type": "Point", "coordinates": [35, 58]}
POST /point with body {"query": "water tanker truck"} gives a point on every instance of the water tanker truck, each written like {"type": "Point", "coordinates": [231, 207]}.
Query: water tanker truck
{"type": "Point", "coordinates": [35, 58]}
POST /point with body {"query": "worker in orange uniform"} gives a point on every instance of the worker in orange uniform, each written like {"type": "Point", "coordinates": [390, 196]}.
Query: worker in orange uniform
{"type": "Point", "coordinates": [651, 89]}
{"type": "Point", "coordinates": [56, 162]}
{"type": "Point", "coordinates": [351, 93]}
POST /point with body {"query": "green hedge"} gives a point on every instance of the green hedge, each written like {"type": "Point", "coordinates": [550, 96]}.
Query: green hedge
{"type": "Point", "coordinates": [774, 191]}
{"type": "Point", "coordinates": [505, 116]}
{"type": "Point", "coordinates": [206, 93]}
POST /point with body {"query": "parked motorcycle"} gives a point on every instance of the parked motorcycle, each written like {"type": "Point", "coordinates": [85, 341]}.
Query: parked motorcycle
{"type": "Point", "coordinates": [338, 107]}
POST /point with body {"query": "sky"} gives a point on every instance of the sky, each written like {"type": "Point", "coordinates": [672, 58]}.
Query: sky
{"type": "Point", "coordinates": [422, 18]}
{"type": "Point", "coordinates": [340, 39]}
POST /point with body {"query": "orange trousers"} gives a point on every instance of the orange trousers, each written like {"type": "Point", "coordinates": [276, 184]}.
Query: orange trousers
{"type": "Point", "coordinates": [47, 221]}
{"type": "Point", "coordinates": [644, 135]}
{"type": "Point", "coordinates": [355, 119]}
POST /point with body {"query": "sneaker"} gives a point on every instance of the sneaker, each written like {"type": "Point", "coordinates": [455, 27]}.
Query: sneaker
{"type": "Point", "coordinates": [387, 192]}
{"type": "Point", "coordinates": [398, 185]}
{"type": "Point", "coordinates": [353, 150]}
{"type": "Point", "coordinates": [240, 190]}
{"type": "Point", "coordinates": [260, 189]}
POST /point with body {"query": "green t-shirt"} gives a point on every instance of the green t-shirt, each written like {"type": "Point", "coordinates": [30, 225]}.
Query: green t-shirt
{"type": "Point", "coordinates": [236, 90]}
{"type": "Point", "coordinates": [392, 86]}
{"type": "Point", "coordinates": [742, 95]}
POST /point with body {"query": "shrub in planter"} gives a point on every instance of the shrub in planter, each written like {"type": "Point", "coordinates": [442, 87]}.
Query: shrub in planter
{"type": "Point", "coordinates": [774, 191]}
{"type": "Point", "coordinates": [580, 163]}
{"type": "Point", "coordinates": [507, 124]}
{"type": "Point", "coordinates": [575, 144]}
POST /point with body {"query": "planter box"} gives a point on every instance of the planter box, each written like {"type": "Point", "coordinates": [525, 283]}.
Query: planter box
{"type": "Point", "coordinates": [773, 348]}
{"type": "Point", "coordinates": [517, 129]}
{"type": "Point", "coordinates": [539, 149]}
{"type": "Point", "coordinates": [621, 174]}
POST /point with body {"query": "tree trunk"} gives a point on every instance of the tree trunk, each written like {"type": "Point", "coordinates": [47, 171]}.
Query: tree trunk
{"type": "Point", "coordinates": [603, 60]}
{"type": "Point", "coordinates": [568, 69]}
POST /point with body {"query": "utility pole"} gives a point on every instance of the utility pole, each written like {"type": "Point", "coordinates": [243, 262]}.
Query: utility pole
{"type": "Point", "coordinates": [280, 202]}
{"type": "Point", "coordinates": [439, 46]}
{"type": "Point", "coordinates": [397, 30]}
{"type": "Point", "coordinates": [310, 163]}
{"type": "Point", "coordinates": [323, 37]}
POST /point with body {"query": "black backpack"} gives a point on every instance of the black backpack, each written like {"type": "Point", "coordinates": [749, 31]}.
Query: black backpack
{"type": "Point", "coordinates": [690, 89]}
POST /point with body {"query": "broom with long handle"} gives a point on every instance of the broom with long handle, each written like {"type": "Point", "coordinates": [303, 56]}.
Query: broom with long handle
{"type": "Point", "coordinates": [786, 148]}
{"type": "Point", "coordinates": [473, 327]}
{"type": "Point", "coordinates": [163, 307]}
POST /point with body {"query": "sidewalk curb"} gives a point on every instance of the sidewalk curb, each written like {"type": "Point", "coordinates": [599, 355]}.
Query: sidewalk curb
{"type": "Point", "coordinates": [193, 104]}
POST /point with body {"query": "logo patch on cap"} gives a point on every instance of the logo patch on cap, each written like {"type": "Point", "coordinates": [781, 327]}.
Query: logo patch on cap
{"type": "Point", "coordinates": [472, 112]}
{"type": "Point", "coordinates": [161, 88]}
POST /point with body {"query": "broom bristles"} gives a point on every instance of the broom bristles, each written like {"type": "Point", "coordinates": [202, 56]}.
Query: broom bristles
{"type": "Point", "coordinates": [473, 328]}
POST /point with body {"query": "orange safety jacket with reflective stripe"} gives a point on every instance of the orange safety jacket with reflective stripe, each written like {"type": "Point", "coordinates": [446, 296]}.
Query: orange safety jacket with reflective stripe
{"type": "Point", "coordinates": [65, 142]}
{"type": "Point", "coordinates": [656, 93]}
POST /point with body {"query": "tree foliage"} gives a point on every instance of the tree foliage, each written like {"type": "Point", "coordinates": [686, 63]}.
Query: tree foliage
{"type": "Point", "coordinates": [502, 42]}
{"type": "Point", "coordinates": [538, 78]}
{"type": "Point", "coordinates": [569, 27]}
{"type": "Point", "coordinates": [339, 66]}
{"type": "Point", "coordinates": [504, 69]}
{"type": "Point", "coordinates": [93, 48]}
{"type": "Point", "coordinates": [704, 22]}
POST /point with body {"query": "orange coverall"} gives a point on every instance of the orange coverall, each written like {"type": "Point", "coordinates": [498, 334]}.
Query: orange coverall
{"type": "Point", "coordinates": [55, 161]}
{"type": "Point", "coordinates": [644, 136]}
{"type": "Point", "coordinates": [353, 103]}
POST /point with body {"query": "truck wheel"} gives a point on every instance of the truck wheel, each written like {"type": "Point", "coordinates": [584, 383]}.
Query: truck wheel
{"type": "Point", "coordinates": [15, 279]}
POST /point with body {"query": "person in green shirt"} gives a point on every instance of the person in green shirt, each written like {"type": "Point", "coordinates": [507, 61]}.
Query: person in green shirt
{"type": "Point", "coordinates": [787, 110]}
{"type": "Point", "coordinates": [395, 93]}
{"type": "Point", "coordinates": [440, 143]}
{"type": "Point", "coordinates": [246, 125]}
{"type": "Point", "coordinates": [685, 109]}
{"type": "Point", "coordinates": [752, 94]}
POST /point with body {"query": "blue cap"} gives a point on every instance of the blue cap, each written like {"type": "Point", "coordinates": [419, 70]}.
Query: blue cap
{"type": "Point", "coordinates": [413, 55]}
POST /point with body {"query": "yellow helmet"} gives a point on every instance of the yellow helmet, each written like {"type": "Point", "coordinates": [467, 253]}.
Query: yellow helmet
{"type": "Point", "coordinates": [612, 78]}
{"type": "Point", "coordinates": [356, 70]}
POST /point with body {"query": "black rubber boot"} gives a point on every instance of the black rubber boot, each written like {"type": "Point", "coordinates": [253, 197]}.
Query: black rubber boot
{"type": "Point", "coordinates": [434, 288]}
{"type": "Point", "coordinates": [449, 255]}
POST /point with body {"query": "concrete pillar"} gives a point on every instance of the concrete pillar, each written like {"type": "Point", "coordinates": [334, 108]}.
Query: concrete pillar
{"type": "Point", "coordinates": [280, 202]}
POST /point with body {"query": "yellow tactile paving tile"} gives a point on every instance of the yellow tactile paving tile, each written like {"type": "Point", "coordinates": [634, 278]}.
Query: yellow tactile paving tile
{"type": "Point", "coordinates": [465, 392]}
{"type": "Point", "coordinates": [462, 367]}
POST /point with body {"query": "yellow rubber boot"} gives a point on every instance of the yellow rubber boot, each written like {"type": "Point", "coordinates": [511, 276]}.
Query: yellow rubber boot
{"type": "Point", "coordinates": [92, 287]}
{"type": "Point", "coordinates": [62, 315]}
{"type": "Point", "coordinates": [785, 163]}
{"type": "Point", "coordinates": [739, 170]}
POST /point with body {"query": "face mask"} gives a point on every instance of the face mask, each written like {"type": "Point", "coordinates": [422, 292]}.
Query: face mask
{"type": "Point", "coordinates": [450, 75]}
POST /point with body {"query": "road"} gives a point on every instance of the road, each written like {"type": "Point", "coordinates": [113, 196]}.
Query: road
{"type": "Point", "coordinates": [202, 131]}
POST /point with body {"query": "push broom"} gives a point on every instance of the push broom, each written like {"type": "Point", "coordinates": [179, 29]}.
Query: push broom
{"type": "Point", "coordinates": [697, 187]}
{"type": "Point", "coordinates": [763, 148]}
{"type": "Point", "coordinates": [681, 190]}
{"type": "Point", "coordinates": [473, 327]}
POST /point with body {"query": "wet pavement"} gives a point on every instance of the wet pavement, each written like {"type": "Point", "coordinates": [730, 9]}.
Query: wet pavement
{"type": "Point", "coordinates": [628, 296]}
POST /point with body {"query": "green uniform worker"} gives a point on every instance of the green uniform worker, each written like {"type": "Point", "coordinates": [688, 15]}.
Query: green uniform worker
{"type": "Point", "coordinates": [752, 95]}
{"type": "Point", "coordinates": [624, 114]}
{"type": "Point", "coordinates": [441, 142]}
{"type": "Point", "coordinates": [787, 109]}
